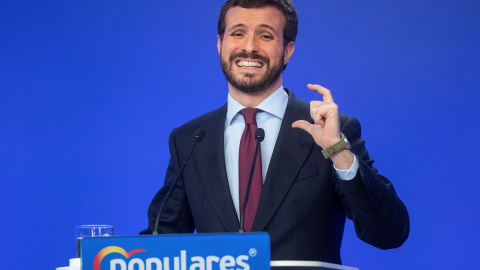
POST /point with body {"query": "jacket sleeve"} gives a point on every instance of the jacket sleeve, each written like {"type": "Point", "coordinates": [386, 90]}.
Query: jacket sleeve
{"type": "Point", "coordinates": [379, 216]}
{"type": "Point", "coordinates": [176, 216]}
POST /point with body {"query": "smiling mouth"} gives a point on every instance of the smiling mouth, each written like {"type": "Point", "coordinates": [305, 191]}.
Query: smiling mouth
{"type": "Point", "coordinates": [249, 64]}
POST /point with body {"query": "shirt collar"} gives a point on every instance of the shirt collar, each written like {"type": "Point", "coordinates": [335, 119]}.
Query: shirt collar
{"type": "Point", "coordinates": [275, 104]}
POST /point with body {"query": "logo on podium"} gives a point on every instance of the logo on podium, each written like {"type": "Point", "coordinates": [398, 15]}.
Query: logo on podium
{"type": "Point", "coordinates": [177, 252]}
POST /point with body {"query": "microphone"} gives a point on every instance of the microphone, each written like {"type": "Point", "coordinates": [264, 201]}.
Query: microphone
{"type": "Point", "coordinates": [198, 136]}
{"type": "Point", "coordinates": [259, 136]}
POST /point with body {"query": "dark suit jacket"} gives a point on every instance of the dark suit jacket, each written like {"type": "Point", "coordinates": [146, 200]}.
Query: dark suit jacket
{"type": "Point", "coordinates": [303, 204]}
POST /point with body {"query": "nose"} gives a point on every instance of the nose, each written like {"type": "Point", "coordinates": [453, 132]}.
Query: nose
{"type": "Point", "coordinates": [250, 45]}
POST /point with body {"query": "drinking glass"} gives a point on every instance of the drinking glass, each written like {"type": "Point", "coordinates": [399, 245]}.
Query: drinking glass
{"type": "Point", "coordinates": [82, 231]}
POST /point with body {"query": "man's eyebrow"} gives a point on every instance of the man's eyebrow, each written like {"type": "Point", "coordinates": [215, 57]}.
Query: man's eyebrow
{"type": "Point", "coordinates": [261, 25]}
{"type": "Point", "coordinates": [236, 25]}
{"type": "Point", "coordinates": [269, 27]}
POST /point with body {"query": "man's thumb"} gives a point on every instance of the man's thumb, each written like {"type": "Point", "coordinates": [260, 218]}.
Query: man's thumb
{"type": "Point", "coordinates": [305, 125]}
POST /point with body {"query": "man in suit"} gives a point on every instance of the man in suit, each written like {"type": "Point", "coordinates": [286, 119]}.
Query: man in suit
{"type": "Point", "coordinates": [313, 168]}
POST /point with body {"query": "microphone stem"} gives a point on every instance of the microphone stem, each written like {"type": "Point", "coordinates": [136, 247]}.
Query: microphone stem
{"type": "Point", "coordinates": [174, 182]}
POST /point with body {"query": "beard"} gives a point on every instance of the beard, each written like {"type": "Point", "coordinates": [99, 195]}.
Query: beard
{"type": "Point", "coordinates": [246, 83]}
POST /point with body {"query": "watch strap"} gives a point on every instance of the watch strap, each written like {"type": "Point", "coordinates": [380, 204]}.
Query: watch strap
{"type": "Point", "coordinates": [336, 148]}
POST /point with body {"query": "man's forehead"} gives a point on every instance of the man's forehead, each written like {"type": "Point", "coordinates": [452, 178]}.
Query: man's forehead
{"type": "Point", "coordinates": [262, 16]}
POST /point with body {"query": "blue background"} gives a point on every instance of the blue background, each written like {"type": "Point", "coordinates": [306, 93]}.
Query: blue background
{"type": "Point", "coordinates": [90, 90]}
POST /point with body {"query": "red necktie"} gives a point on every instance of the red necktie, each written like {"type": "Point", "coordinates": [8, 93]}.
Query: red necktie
{"type": "Point", "coordinates": [247, 150]}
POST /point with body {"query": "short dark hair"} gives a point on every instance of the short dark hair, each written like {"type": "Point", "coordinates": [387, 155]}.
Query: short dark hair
{"type": "Point", "coordinates": [285, 6]}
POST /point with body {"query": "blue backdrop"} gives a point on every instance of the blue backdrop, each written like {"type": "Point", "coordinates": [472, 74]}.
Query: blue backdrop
{"type": "Point", "coordinates": [87, 91]}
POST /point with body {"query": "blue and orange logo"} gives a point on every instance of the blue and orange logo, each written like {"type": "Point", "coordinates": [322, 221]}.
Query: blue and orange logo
{"type": "Point", "coordinates": [112, 249]}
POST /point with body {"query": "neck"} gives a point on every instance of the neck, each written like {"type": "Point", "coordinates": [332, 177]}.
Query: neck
{"type": "Point", "coordinates": [251, 100]}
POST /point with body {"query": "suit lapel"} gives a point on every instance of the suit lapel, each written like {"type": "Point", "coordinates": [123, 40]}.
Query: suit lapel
{"type": "Point", "coordinates": [209, 161]}
{"type": "Point", "coordinates": [291, 150]}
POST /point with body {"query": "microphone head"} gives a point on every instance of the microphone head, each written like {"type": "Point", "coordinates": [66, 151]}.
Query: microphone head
{"type": "Point", "coordinates": [259, 134]}
{"type": "Point", "coordinates": [199, 134]}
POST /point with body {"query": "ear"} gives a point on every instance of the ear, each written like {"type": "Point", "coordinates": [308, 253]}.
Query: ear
{"type": "Point", "coordinates": [219, 44]}
{"type": "Point", "coordinates": [288, 52]}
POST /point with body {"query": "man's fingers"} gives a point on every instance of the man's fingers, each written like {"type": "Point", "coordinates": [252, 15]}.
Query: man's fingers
{"type": "Point", "coordinates": [321, 112]}
{"type": "Point", "coordinates": [303, 125]}
{"type": "Point", "coordinates": [318, 118]}
{"type": "Point", "coordinates": [316, 103]}
{"type": "Point", "coordinates": [327, 95]}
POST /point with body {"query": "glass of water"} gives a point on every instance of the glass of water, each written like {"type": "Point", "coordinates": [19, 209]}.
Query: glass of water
{"type": "Point", "coordinates": [82, 231]}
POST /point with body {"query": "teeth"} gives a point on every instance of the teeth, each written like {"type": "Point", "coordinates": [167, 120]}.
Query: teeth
{"type": "Point", "coordinates": [249, 64]}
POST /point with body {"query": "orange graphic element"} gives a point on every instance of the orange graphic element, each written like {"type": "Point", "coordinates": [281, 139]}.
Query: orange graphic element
{"type": "Point", "coordinates": [112, 249]}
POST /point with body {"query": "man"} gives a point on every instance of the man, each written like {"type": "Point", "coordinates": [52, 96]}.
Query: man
{"type": "Point", "coordinates": [299, 196]}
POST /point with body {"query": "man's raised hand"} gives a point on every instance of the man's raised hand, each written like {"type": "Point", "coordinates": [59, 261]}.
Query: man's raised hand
{"type": "Point", "coordinates": [326, 127]}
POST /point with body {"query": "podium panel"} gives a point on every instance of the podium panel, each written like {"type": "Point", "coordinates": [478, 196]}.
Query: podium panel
{"type": "Point", "coordinates": [177, 252]}
{"type": "Point", "coordinates": [307, 265]}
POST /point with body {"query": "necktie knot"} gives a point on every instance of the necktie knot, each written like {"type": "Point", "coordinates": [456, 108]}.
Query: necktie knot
{"type": "Point", "coordinates": [249, 115]}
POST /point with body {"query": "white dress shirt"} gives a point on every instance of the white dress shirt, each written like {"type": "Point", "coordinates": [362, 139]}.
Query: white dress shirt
{"type": "Point", "coordinates": [270, 120]}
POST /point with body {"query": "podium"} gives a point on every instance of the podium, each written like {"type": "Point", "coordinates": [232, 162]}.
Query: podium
{"type": "Point", "coordinates": [223, 251]}
{"type": "Point", "coordinates": [307, 265]}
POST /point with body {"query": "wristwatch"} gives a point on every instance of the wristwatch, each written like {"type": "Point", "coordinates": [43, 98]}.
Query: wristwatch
{"type": "Point", "coordinates": [337, 148]}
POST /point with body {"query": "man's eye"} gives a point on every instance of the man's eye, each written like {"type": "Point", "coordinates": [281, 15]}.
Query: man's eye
{"type": "Point", "coordinates": [237, 34]}
{"type": "Point", "coordinates": [268, 37]}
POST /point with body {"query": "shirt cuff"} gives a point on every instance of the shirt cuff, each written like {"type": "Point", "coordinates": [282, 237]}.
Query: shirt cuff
{"type": "Point", "coordinates": [350, 173]}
